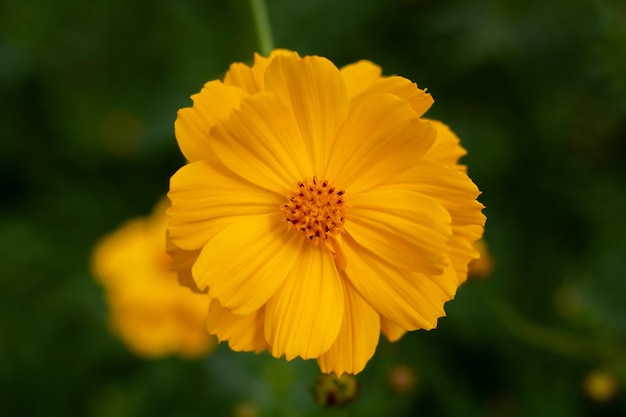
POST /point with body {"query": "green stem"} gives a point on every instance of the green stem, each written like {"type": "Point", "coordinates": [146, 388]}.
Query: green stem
{"type": "Point", "coordinates": [262, 22]}
{"type": "Point", "coordinates": [547, 338]}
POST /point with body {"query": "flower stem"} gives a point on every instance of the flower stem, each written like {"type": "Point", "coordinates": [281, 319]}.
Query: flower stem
{"type": "Point", "coordinates": [547, 338]}
{"type": "Point", "coordinates": [262, 22]}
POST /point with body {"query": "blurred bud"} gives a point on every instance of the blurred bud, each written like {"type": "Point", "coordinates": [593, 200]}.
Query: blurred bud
{"type": "Point", "coordinates": [600, 386]}
{"type": "Point", "coordinates": [333, 391]}
{"type": "Point", "coordinates": [402, 379]}
{"type": "Point", "coordinates": [482, 267]}
{"type": "Point", "coordinates": [246, 409]}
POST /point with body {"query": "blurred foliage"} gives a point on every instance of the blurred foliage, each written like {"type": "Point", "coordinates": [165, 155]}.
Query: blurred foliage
{"type": "Point", "coordinates": [535, 89]}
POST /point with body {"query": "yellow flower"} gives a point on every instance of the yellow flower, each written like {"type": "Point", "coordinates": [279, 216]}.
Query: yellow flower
{"type": "Point", "coordinates": [601, 385]}
{"type": "Point", "coordinates": [483, 266]}
{"type": "Point", "coordinates": [149, 310]}
{"type": "Point", "coordinates": [323, 209]}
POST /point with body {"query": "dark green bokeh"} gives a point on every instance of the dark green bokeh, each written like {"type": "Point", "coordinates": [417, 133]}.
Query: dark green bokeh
{"type": "Point", "coordinates": [535, 89]}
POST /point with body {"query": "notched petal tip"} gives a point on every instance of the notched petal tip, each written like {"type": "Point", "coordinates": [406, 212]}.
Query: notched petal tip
{"type": "Point", "coordinates": [244, 333]}
{"type": "Point", "coordinates": [419, 100]}
{"type": "Point", "coordinates": [193, 125]}
{"type": "Point", "coordinates": [357, 339]}
{"type": "Point", "coordinates": [301, 318]}
{"type": "Point", "coordinates": [360, 75]}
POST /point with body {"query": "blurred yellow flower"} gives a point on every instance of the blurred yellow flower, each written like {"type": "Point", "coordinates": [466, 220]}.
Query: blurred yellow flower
{"type": "Point", "coordinates": [483, 266]}
{"type": "Point", "coordinates": [322, 208]}
{"type": "Point", "coordinates": [600, 385]}
{"type": "Point", "coordinates": [149, 310]}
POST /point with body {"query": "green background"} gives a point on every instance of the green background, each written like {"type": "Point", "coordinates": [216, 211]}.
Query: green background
{"type": "Point", "coordinates": [536, 90]}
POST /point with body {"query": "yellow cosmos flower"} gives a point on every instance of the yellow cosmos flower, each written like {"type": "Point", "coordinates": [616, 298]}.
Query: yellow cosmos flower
{"type": "Point", "coordinates": [483, 266]}
{"type": "Point", "coordinates": [149, 310]}
{"type": "Point", "coordinates": [321, 207]}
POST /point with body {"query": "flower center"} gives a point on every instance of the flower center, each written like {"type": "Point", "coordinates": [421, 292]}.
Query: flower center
{"type": "Point", "coordinates": [315, 210]}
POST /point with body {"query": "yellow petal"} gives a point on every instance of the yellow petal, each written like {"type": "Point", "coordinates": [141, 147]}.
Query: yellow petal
{"type": "Point", "coordinates": [243, 332]}
{"type": "Point", "coordinates": [206, 199]}
{"type": "Point", "coordinates": [314, 89]}
{"type": "Point", "coordinates": [251, 79]}
{"type": "Point", "coordinates": [380, 138]}
{"type": "Point", "coordinates": [246, 263]}
{"type": "Point", "coordinates": [462, 250]}
{"type": "Point", "coordinates": [182, 261]}
{"type": "Point", "coordinates": [262, 143]}
{"type": "Point", "coordinates": [419, 100]}
{"type": "Point", "coordinates": [193, 124]}
{"type": "Point", "coordinates": [359, 76]}
{"type": "Point", "coordinates": [242, 76]}
{"type": "Point", "coordinates": [456, 192]}
{"type": "Point", "coordinates": [411, 300]}
{"type": "Point", "coordinates": [447, 148]}
{"type": "Point", "coordinates": [303, 318]}
{"type": "Point", "coordinates": [450, 187]}
{"type": "Point", "coordinates": [391, 330]}
{"type": "Point", "coordinates": [407, 229]}
{"type": "Point", "coordinates": [358, 337]}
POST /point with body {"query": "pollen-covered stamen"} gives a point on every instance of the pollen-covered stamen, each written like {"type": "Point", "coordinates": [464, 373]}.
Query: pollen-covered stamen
{"type": "Point", "coordinates": [315, 210]}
